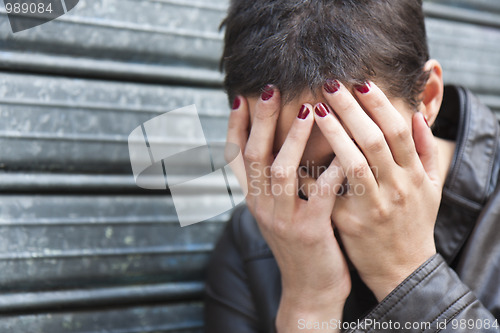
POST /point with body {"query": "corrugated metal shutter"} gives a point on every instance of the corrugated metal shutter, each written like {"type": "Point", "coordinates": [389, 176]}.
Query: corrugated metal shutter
{"type": "Point", "coordinates": [464, 35]}
{"type": "Point", "coordinates": [82, 249]}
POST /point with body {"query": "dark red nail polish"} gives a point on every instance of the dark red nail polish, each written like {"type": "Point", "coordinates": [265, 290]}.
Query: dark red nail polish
{"type": "Point", "coordinates": [267, 93]}
{"type": "Point", "coordinates": [236, 103]}
{"type": "Point", "coordinates": [363, 88]}
{"type": "Point", "coordinates": [321, 110]}
{"type": "Point", "coordinates": [425, 119]}
{"type": "Point", "coordinates": [303, 113]}
{"type": "Point", "coordinates": [331, 86]}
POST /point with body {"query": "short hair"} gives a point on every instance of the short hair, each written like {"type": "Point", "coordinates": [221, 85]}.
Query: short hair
{"type": "Point", "coordinates": [299, 44]}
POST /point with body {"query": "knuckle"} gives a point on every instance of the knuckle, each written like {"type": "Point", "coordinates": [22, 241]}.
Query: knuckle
{"type": "Point", "coordinates": [351, 104]}
{"type": "Point", "coordinates": [359, 169]}
{"type": "Point", "coordinates": [375, 143]}
{"type": "Point", "coordinates": [382, 213]}
{"type": "Point", "coordinates": [399, 196]}
{"type": "Point", "coordinates": [401, 133]}
{"type": "Point", "coordinates": [253, 155]}
{"type": "Point", "coordinates": [280, 228]}
{"type": "Point", "coordinates": [280, 172]}
{"type": "Point", "coordinates": [335, 131]}
{"type": "Point", "coordinates": [378, 103]}
{"type": "Point", "coordinates": [294, 231]}
{"type": "Point", "coordinates": [417, 175]}
{"type": "Point", "coordinates": [354, 228]}
{"type": "Point", "coordinates": [265, 112]}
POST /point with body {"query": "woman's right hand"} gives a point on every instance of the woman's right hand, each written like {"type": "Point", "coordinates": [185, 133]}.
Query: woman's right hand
{"type": "Point", "coordinates": [314, 273]}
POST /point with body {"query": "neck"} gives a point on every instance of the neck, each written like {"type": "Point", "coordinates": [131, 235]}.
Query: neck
{"type": "Point", "coordinates": [446, 150]}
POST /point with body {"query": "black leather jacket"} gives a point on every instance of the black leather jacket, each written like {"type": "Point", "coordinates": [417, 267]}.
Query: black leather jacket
{"type": "Point", "coordinates": [460, 284]}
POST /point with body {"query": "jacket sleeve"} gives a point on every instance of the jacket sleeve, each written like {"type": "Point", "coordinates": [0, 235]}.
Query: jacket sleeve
{"type": "Point", "coordinates": [229, 306]}
{"type": "Point", "coordinates": [432, 299]}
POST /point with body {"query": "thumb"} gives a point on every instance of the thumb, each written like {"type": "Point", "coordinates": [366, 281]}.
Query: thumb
{"type": "Point", "coordinates": [426, 146]}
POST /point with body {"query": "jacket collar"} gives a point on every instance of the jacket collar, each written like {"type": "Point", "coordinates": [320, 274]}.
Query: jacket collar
{"type": "Point", "coordinates": [473, 174]}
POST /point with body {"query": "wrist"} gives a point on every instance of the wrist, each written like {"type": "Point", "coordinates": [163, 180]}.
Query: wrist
{"type": "Point", "coordinates": [381, 288]}
{"type": "Point", "coordinates": [290, 320]}
{"type": "Point", "coordinates": [302, 312]}
{"type": "Point", "coordinates": [383, 285]}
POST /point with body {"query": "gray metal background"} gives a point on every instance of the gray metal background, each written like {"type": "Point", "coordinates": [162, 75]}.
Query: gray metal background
{"type": "Point", "coordinates": [82, 249]}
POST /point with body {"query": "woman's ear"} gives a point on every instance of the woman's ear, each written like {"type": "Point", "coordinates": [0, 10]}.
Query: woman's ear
{"type": "Point", "coordinates": [432, 96]}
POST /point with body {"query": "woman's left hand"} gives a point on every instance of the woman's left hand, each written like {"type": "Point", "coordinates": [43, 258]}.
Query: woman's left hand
{"type": "Point", "coordinates": [386, 219]}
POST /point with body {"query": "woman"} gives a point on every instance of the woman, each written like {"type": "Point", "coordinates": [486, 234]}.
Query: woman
{"type": "Point", "coordinates": [357, 216]}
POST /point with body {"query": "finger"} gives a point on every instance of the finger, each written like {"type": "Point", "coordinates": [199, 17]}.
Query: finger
{"type": "Point", "coordinates": [353, 162]}
{"type": "Point", "coordinates": [284, 179]}
{"type": "Point", "coordinates": [426, 146]}
{"type": "Point", "coordinates": [366, 133]}
{"type": "Point", "coordinates": [323, 197]}
{"type": "Point", "coordinates": [236, 140]}
{"type": "Point", "coordinates": [238, 124]}
{"type": "Point", "coordinates": [258, 150]}
{"type": "Point", "coordinates": [396, 131]}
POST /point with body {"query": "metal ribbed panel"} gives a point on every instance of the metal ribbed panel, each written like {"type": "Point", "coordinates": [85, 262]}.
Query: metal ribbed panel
{"type": "Point", "coordinates": [467, 44]}
{"type": "Point", "coordinates": [74, 241]}
{"type": "Point", "coordinates": [59, 124]}
{"type": "Point", "coordinates": [169, 41]}
{"type": "Point", "coordinates": [471, 5]}
{"type": "Point", "coordinates": [462, 15]}
{"type": "Point", "coordinates": [174, 318]}
{"type": "Point", "coordinates": [98, 297]}
{"type": "Point", "coordinates": [166, 32]}
{"type": "Point", "coordinates": [470, 54]}
{"type": "Point", "coordinates": [82, 248]}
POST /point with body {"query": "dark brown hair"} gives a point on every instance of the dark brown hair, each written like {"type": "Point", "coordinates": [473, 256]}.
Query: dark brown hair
{"type": "Point", "coordinates": [295, 44]}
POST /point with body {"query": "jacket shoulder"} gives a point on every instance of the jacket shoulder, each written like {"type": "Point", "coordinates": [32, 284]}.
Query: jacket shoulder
{"type": "Point", "coordinates": [231, 269]}
{"type": "Point", "coordinates": [247, 236]}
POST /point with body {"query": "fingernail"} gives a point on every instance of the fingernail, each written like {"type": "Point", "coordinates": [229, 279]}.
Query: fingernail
{"type": "Point", "coordinates": [331, 86]}
{"type": "Point", "coordinates": [236, 103]}
{"type": "Point", "coordinates": [363, 88]}
{"type": "Point", "coordinates": [321, 110]}
{"type": "Point", "coordinates": [303, 113]}
{"type": "Point", "coordinates": [267, 93]}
